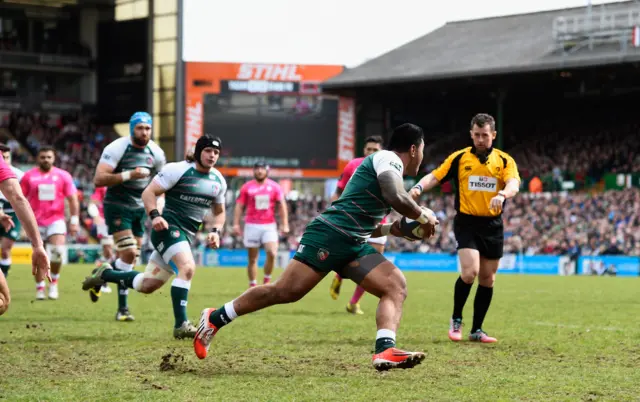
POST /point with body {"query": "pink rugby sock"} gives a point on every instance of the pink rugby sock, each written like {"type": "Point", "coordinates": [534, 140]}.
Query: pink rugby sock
{"type": "Point", "coordinates": [357, 295]}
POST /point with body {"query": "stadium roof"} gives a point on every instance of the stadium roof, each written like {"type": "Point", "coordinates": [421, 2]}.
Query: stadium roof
{"type": "Point", "coordinates": [499, 45]}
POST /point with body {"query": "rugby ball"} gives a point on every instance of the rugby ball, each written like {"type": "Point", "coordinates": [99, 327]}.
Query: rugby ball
{"type": "Point", "coordinates": [410, 229]}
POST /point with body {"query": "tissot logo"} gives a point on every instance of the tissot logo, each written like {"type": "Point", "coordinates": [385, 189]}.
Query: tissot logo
{"type": "Point", "coordinates": [482, 183]}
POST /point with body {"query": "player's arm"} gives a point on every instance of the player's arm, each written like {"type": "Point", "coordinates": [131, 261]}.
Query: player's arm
{"type": "Point", "coordinates": [219, 217]}
{"type": "Point", "coordinates": [109, 160]}
{"type": "Point", "coordinates": [284, 210]}
{"type": "Point", "coordinates": [5, 296]}
{"type": "Point", "coordinates": [11, 189]}
{"type": "Point", "coordinates": [150, 196]}
{"type": "Point", "coordinates": [150, 200]}
{"type": "Point", "coordinates": [395, 195]}
{"type": "Point", "coordinates": [105, 177]}
{"type": "Point", "coordinates": [241, 201]}
{"type": "Point", "coordinates": [218, 212]}
{"type": "Point", "coordinates": [437, 176]}
{"type": "Point", "coordinates": [160, 162]}
{"type": "Point", "coordinates": [387, 229]}
{"type": "Point", "coordinates": [284, 214]}
{"type": "Point", "coordinates": [388, 168]}
{"type": "Point", "coordinates": [160, 184]}
{"type": "Point", "coordinates": [71, 193]}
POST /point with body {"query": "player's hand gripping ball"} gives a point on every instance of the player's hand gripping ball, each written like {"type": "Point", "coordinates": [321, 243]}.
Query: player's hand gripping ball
{"type": "Point", "coordinates": [414, 231]}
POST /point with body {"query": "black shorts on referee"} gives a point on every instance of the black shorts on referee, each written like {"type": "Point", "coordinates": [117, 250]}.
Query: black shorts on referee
{"type": "Point", "coordinates": [485, 234]}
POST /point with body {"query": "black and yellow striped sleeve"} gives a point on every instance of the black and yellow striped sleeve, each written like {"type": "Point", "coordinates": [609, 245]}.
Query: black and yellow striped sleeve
{"type": "Point", "coordinates": [510, 170]}
{"type": "Point", "coordinates": [448, 168]}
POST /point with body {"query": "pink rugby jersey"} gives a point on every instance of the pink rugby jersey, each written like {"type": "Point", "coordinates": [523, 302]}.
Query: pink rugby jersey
{"type": "Point", "coordinates": [46, 192]}
{"type": "Point", "coordinates": [260, 201]}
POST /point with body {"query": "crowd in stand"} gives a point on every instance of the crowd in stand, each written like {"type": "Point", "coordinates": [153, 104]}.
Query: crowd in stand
{"type": "Point", "coordinates": [558, 223]}
{"type": "Point", "coordinates": [557, 152]}
{"type": "Point", "coordinates": [78, 142]}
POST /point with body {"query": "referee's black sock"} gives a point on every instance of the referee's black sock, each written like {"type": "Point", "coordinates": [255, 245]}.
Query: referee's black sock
{"type": "Point", "coordinates": [460, 296]}
{"type": "Point", "coordinates": [481, 306]}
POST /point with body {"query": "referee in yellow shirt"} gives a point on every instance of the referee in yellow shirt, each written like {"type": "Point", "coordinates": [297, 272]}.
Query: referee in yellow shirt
{"type": "Point", "coordinates": [484, 178]}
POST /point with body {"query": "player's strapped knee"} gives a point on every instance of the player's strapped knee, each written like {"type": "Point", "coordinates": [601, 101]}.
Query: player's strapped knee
{"type": "Point", "coordinates": [126, 243]}
{"type": "Point", "coordinates": [56, 253]}
{"type": "Point", "coordinates": [366, 264]}
{"type": "Point", "coordinates": [106, 241]}
{"type": "Point", "coordinates": [156, 271]}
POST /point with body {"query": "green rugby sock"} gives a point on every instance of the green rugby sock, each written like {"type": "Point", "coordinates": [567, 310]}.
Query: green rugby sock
{"type": "Point", "coordinates": [121, 278]}
{"type": "Point", "coordinates": [385, 339]}
{"type": "Point", "coordinates": [179, 295]}
{"type": "Point", "coordinates": [5, 269]}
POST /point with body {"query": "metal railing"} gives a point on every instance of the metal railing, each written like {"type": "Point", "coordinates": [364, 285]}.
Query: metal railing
{"type": "Point", "coordinates": [596, 27]}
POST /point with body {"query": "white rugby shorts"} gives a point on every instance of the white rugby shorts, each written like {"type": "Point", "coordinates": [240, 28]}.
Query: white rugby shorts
{"type": "Point", "coordinates": [256, 234]}
{"type": "Point", "coordinates": [57, 227]}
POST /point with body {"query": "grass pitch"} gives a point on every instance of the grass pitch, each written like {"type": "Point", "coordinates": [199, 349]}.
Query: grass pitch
{"type": "Point", "coordinates": [560, 338]}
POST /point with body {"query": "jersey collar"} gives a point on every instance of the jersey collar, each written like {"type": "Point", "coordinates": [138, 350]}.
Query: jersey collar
{"type": "Point", "coordinates": [483, 159]}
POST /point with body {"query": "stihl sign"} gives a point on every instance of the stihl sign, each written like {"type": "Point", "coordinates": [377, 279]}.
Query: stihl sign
{"type": "Point", "coordinates": [269, 72]}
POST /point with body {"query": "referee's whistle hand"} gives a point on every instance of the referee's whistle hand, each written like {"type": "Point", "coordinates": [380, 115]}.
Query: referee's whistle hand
{"type": "Point", "coordinates": [496, 203]}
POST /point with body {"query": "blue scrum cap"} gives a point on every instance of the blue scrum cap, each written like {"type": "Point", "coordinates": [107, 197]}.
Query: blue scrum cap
{"type": "Point", "coordinates": [137, 118]}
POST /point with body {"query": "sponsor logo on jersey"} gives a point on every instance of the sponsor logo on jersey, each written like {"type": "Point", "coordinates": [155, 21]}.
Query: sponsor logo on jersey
{"type": "Point", "coordinates": [396, 165]}
{"type": "Point", "coordinates": [483, 183]}
{"type": "Point", "coordinates": [216, 188]}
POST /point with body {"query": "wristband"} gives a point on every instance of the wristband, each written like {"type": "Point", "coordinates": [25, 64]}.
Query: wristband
{"type": "Point", "coordinates": [502, 194]}
{"type": "Point", "coordinates": [423, 218]}
{"type": "Point", "coordinates": [419, 187]}
{"type": "Point", "coordinates": [385, 229]}
{"type": "Point", "coordinates": [74, 220]}
{"type": "Point", "coordinates": [93, 210]}
{"type": "Point", "coordinates": [214, 230]}
{"type": "Point", "coordinates": [154, 214]}
{"type": "Point", "coordinates": [126, 175]}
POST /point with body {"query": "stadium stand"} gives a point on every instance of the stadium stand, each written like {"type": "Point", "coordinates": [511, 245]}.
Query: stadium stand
{"type": "Point", "coordinates": [78, 141]}
{"type": "Point", "coordinates": [536, 223]}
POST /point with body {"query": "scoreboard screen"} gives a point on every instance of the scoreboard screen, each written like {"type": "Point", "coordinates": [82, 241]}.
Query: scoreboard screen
{"type": "Point", "coordinates": [272, 113]}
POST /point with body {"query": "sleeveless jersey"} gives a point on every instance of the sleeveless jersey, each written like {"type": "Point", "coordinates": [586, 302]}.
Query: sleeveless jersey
{"type": "Point", "coordinates": [361, 208]}
{"type": "Point", "coordinates": [122, 155]}
{"type": "Point", "coordinates": [189, 194]}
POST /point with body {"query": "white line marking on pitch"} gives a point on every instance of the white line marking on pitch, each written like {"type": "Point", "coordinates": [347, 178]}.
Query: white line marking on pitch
{"type": "Point", "coordinates": [572, 326]}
